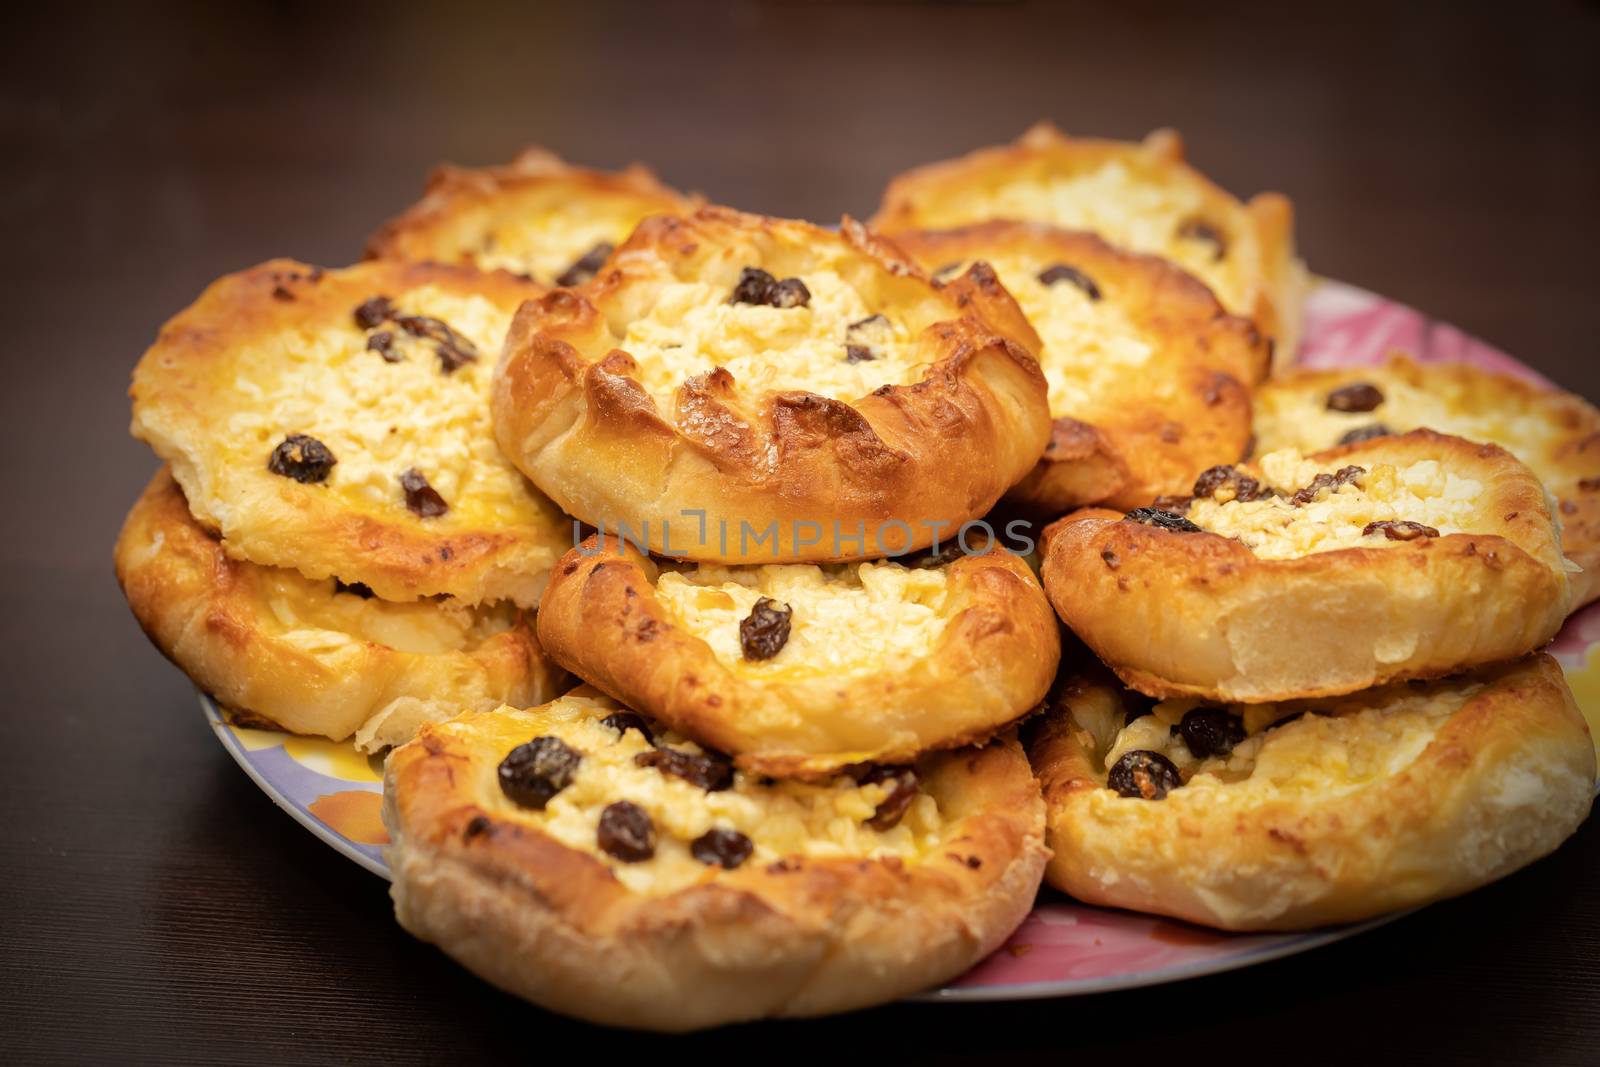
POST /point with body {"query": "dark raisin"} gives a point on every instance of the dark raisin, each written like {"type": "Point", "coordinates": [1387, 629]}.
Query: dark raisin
{"type": "Point", "coordinates": [1060, 272]}
{"type": "Point", "coordinates": [1341, 477]}
{"type": "Point", "coordinates": [373, 312]}
{"type": "Point", "coordinates": [892, 808]}
{"type": "Point", "coordinates": [1138, 706]}
{"type": "Point", "coordinates": [360, 589]}
{"type": "Point", "coordinates": [303, 458]}
{"type": "Point", "coordinates": [1365, 433]}
{"type": "Point", "coordinates": [711, 771]}
{"type": "Point", "coordinates": [626, 832]}
{"type": "Point", "coordinates": [1201, 230]}
{"type": "Point", "coordinates": [1357, 396]}
{"type": "Point", "coordinates": [790, 293]}
{"type": "Point", "coordinates": [280, 292]}
{"type": "Point", "coordinates": [1285, 721]}
{"type": "Point", "coordinates": [382, 343]}
{"type": "Point", "coordinates": [423, 499]}
{"type": "Point", "coordinates": [1399, 530]}
{"type": "Point", "coordinates": [453, 349]}
{"type": "Point", "coordinates": [858, 354]}
{"type": "Point", "coordinates": [1144, 774]}
{"type": "Point", "coordinates": [946, 272]}
{"type": "Point", "coordinates": [946, 553]}
{"type": "Point", "coordinates": [587, 265]}
{"type": "Point", "coordinates": [755, 287]}
{"type": "Point", "coordinates": [537, 770]}
{"type": "Point", "coordinates": [1161, 519]}
{"type": "Point", "coordinates": [1211, 731]}
{"type": "Point", "coordinates": [1242, 486]}
{"type": "Point", "coordinates": [764, 632]}
{"type": "Point", "coordinates": [721, 848]}
{"type": "Point", "coordinates": [623, 721]}
{"type": "Point", "coordinates": [875, 324]}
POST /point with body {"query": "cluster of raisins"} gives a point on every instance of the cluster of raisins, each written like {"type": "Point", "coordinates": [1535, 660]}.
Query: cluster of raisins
{"type": "Point", "coordinates": [1332, 482]}
{"type": "Point", "coordinates": [758, 287]}
{"type": "Point", "coordinates": [453, 349]}
{"type": "Point", "coordinates": [534, 772]}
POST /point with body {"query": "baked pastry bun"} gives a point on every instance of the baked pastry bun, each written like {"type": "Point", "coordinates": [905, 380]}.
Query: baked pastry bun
{"type": "Point", "coordinates": [1148, 375]}
{"type": "Point", "coordinates": [745, 389]}
{"type": "Point", "coordinates": [1400, 557]}
{"type": "Point", "coordinates": [536, 216]}
{"type": "Point", "coordinates": [312, 656]}
{"type": "Point", "coordinates": [1142, 197]}
{"type": "Point", "coordinates": [1557, 434]}
{"type": "Point", "coordinates": [583, 857]}
{"type": "Point", "coordinates": [338, 422]}
{"type": "Point", "coordinates": [803, 669]}
{"type": "Point", "coordinates": [1299, 814]}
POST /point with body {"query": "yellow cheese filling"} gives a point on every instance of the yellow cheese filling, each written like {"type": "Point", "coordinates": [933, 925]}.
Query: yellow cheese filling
{"type": "Point", "coordinates": [313, 616]}
{"type": "Point", "coordinates": [847, 619]}
{"type": "Point", "coordinates": [1274, 528]}
{"type": "Point", "coordinates": [381, 419]}
{"type": "Point", "coordinates": [1336, 745]}
{"type": "Point", "coordinates": [1297, 418]}
{"type": "Point", "coordinates": [691, 329]}
{"type": "Point", "coordinates": [1091, 347]}
{"type": "Point", "coordinates": [544, 234]}
{"type": "Point", "coordinates": [782, 819]}
{"type": "Point", "coordinates": [1127, 208]}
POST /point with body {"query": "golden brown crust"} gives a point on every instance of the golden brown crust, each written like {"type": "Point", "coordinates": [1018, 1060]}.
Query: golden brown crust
{"type": "Point", "coordinates": [1503, 780]}
{"type": "Point", "coordinates": [220, 621]}
{"type": "Point", "coordinates": [1177, 613]}
{"type": "Point", "coordinates": [1148, 431]}
{"type": "Point", "coordinates": [571, 412]}
{"type": "Point", "coordinates": [288, 323]}
{"type": "Point", "coordinates": [525, 216]}
{"type": "Point", "coordinates": [793, 938]}
{"type": "Point", "coordinates": [1555, 433]}
{"type": "Point", "coordinates": [993, 662]}
{"type": "Point", "coordinates": [1267, 284]}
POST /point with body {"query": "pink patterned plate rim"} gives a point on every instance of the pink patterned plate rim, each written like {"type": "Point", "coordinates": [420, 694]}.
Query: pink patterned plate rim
{"type": "Point", "coordinates": [1062, 948]}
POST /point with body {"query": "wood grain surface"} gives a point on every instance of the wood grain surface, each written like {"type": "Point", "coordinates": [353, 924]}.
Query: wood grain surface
{"type": "Point", "coordinates": [156, 907]}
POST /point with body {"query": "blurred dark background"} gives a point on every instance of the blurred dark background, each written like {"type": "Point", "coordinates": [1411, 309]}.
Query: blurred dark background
{"type": "Point", "coordinates": [154, 906]}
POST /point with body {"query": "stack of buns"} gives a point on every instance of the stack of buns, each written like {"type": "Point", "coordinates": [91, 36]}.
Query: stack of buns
{"type": "Point", "coordinates": [773, 498]}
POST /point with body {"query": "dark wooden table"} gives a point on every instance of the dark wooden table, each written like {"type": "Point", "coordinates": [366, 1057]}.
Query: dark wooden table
{"type": "Point", "coordinates": [155, 906]}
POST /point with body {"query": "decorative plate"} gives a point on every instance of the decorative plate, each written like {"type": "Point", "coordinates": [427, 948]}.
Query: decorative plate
{"type": "Point", "coordinates": [1062, 948]}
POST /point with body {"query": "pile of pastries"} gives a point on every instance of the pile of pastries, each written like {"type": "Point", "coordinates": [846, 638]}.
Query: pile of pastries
{"type": "Point", "coordinates": [703, 575]}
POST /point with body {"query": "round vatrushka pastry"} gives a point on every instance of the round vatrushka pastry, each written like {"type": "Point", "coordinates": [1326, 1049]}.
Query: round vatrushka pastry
{"type": "Point", "coordinates": [745, 389]}
{"type": "Point", "coordinates": [314, 656]}
{"type": "Point", "coordinates": [338, 422]}
{"type": "Point", "coordinates": [1303, 813]}
{"type": "Point", "coordinates": [1142, 197]}
{"type": "Point", "coordinates": [1399, 557]}
{"type": "Point", "coordinates": [535, 216]}
{"type": "Point", "coordinates": [583, 857]}
{"type": "Point", "coordinates": [800, 669]}
{"type": "Point", "coordinates": [1148, 375]}
{"type": "Point", "coordinates": [1557, 434]}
